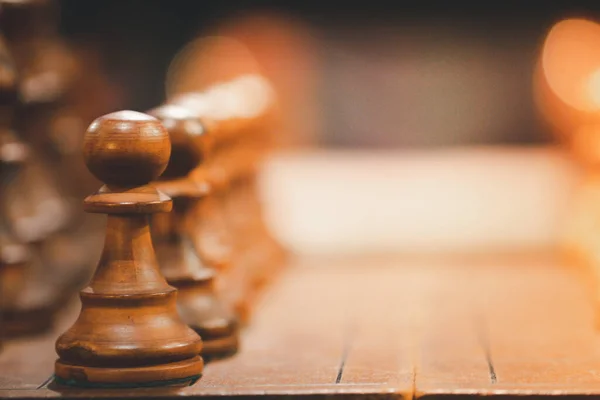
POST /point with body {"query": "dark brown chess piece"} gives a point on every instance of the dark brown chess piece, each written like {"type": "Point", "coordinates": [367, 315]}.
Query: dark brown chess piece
{"type": "Point", "coordinates": [31, 304]}
{"type": "Point", "coordinates": [186, 233]}
{"type": "Point", "coordinates": [19, 312]}
{"type": "Point", "coordinates": [222, 125]}
{"type": "Point", "coordinates": [41, 203]}
{"type": "Point", "coordinates": [47, 72]}
{"type": "Point", "coordinates": [129, 332]}
{"type": "Point", "coordinates": [56, 78]}
{"type": "Point", "coordinates": [15, 256]}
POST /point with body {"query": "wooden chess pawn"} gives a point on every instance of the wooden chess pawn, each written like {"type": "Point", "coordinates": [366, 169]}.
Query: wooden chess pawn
{"type": "Point", "coordinates": [218, 238]}
{"type": "Point", "coordinates": [179, 250]}
{"type": "Point", "coordinates": [129, 332]}
{"type": "Point", "coordinates": [238, 110]}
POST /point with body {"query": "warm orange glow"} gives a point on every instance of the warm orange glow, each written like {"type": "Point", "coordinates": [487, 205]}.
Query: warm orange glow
{"type": "Point", "coordinates": [280, 48]}
{"type": "Point", "coordinates": [567, 86]}
{"type": "Point", "coordinates": [209, 60]}
{"type": "Point", "coordinates": [571, 63]}
{"type": "Point", "coordinates": [585, 144]}
{"type": "Point", "coordinates": [594, 88]}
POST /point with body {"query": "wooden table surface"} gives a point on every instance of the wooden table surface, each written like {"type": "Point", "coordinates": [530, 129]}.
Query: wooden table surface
{"type": "Point", "coordinates": [387, 327]}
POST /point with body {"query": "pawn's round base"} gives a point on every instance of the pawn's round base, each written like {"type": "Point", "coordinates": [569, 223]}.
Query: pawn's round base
{"type": "Point", "coordinates": [220, 336]}
{"type": "Point", "coordinates": [220, 347]}
{"type": "Point", "coordinates": [203, 311]}
{"type": "Point", "coordinates": [184, 372]}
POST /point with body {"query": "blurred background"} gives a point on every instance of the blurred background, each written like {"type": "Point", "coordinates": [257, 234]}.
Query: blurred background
{"type": "Point", "coordinates": [370, 75]}
{"type": "Point", "coordinates": [412, 126]}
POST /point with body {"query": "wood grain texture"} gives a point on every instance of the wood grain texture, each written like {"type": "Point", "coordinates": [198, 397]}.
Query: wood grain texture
{"type": "Point", "coordinates": [377, 327]}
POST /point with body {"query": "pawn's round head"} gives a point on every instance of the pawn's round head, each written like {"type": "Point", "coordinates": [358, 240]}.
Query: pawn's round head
{"type": "Point", "coordinates": [188, 138]}
{"type": "Point", "coordinates": [126, 148]}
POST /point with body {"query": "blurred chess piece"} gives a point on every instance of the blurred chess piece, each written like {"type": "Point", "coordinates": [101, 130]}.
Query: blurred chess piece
{"type": "Point", "coordinates": [14, 256]}
{"type": "Point", "coordinates": [19, 312]}
{"type": "Point", "coordinates": [56, 79]}
{"type": "Point", "coordinates": [193, 273]}
{"type": "Point", "coordinates": [41, 204]}
{"type": "Point", "coordinates": [54, 103]}
{"type": "Point", "coordinates": [239, 114]}
{"type": "Point", "coordinates": [129, 332]}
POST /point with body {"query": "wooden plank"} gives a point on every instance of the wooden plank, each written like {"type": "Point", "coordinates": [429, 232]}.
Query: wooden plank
{"type": "Point", "coordinates": [378, 342]}
{"type": "Point", "coordinates": [295, 345]}
{"type": "Point", "coordinates": [541, 328]}
{"type": "Point", "coordinates": [451, 358]}
{"type": "Point", "coordinates": [304, 338]}
{"type": "Point", "coordinates": [294, 339]}
{"type": "Point", "coordinates": [28, 363]}
{"type": "Point", "coordinates": [389, 328]}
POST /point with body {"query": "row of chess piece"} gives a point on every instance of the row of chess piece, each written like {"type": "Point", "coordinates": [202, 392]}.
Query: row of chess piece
{"type": "Point", "coordinates": [186, 250]}
{"type": "Point", "coordinates": [152, 312]}
{"type": "Point", "coordinates": [46, 242]}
